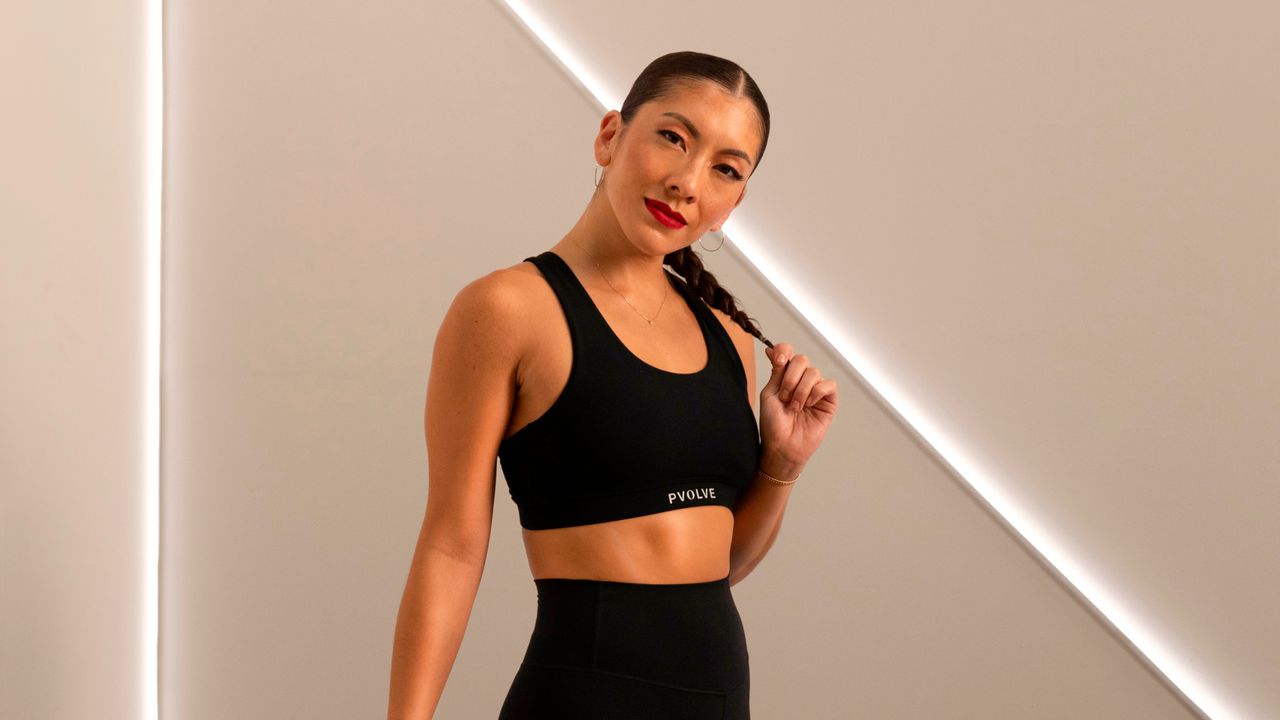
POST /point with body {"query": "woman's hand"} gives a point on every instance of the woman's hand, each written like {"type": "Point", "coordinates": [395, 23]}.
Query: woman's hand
{"type": "Point", "coordinates": [796, 408]}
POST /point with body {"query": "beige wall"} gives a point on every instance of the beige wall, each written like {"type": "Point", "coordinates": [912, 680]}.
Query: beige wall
{"type": "Point", "coordinates": [72, 300]}
{"type": "Point", "coordinates": [1052, 229]}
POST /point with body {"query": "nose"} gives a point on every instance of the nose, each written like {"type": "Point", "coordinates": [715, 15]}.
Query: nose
{"type": "Point", "coordinates": [684, 182]}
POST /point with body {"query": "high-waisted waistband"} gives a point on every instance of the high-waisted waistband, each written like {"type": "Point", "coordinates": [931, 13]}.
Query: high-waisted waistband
{"type": "Point", "coordinates": [633, 651]}
{"type": "Point", "coordinates": [688, 635]}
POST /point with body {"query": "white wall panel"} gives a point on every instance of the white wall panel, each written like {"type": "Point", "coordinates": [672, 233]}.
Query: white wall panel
{"type": "Point", "coordinates": [73, 222]}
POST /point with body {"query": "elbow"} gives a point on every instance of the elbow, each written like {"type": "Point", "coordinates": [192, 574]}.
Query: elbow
{"type": "Point", "coordinates": [463, 546]}
{"type": "Point", "coordinates": [471, 553]}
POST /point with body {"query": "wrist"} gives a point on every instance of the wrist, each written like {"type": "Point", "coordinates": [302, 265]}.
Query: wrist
{"type": "Point", "coordinates": [779, 467]}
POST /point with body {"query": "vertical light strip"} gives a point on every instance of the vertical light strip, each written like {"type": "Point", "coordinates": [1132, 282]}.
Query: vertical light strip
{"type": "Point", "coordinates": [151, 381]}
{"type": "Point", "coordinates": [1177, 671]}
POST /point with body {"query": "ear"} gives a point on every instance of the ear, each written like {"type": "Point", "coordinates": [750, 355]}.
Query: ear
{"type": "Point", "coordinates": [610, 125]}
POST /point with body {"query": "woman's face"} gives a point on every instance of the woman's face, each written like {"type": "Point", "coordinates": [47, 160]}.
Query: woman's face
{"type": "Point", "coordinates": [686, 150]}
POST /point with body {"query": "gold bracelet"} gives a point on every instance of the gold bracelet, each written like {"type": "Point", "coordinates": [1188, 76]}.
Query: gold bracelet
{"type": "Point", "coordinates": [776, 480]}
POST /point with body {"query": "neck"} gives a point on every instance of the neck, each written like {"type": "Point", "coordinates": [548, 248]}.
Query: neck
{"type": "Point", "coordinates": [598, 246]}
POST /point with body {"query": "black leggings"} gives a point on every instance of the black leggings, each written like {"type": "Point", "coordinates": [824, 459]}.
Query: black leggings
{"type": "Point", "coordinates": [631, 651]}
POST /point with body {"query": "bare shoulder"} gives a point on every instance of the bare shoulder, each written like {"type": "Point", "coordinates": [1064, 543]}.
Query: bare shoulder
{"type": "Point", "coordinates": [495, 296]}
{"type": "Point", "coordinates": [502, 291]}
{"type": "Point", "coordinates": [488, 323]}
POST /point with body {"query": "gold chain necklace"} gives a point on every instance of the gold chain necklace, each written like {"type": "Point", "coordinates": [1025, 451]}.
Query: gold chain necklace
{"type": "Point", "coordinates": [666, 286]}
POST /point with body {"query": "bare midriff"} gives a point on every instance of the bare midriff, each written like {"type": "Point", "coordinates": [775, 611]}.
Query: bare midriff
{"type": "Point", "coordinates": [677, 546]}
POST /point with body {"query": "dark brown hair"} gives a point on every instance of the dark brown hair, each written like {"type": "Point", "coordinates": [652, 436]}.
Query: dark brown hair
{"type": "Point", "coordinates": [671, 73]}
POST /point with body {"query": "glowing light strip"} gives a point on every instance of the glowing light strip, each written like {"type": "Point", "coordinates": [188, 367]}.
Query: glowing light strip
{"type": "Point", "coordinates": [543, 36]}
{"type": "Point", "coordinates": [154, 148]}
{"type": "Point", "coordinates": [1176, 670]}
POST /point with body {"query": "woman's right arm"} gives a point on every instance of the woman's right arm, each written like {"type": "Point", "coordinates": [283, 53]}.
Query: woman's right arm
{"type": "Point", "coordinates": [470, 393]}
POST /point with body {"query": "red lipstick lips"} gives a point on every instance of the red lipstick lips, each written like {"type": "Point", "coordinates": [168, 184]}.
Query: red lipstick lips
{"type": "Point", "coordinates": [665, 214]}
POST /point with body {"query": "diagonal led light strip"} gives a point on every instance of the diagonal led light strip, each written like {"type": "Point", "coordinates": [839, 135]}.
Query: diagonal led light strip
{"type": "Point", "coordinates": [1175, 670]}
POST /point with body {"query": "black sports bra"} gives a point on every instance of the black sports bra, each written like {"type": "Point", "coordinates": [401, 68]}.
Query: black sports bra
{"type": "Point", "coordinates": [625, 438]}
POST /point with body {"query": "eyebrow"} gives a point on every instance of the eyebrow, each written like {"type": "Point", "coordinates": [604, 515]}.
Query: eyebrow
{"type": "Point", "coordinates": [694, 132]}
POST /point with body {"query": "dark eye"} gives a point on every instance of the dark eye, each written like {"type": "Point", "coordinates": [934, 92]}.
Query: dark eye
{"type": "Point", "coordinates": [732, 173]}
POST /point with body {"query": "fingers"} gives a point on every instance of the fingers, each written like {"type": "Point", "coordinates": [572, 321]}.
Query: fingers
{"type": "Point", "coordinates": [779, 355]}
{"type": "Point", "coordinates": [823, 390]}
{"type": "Point", "coordinates": [794, 381]}
{"type": "Point", "coordinates": [798, 381]}
{"type": "Point", "coordinates": [790, 376]}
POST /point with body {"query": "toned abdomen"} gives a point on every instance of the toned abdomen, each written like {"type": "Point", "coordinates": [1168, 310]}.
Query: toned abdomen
{"type": "Point", "coordinates": [678, 546]}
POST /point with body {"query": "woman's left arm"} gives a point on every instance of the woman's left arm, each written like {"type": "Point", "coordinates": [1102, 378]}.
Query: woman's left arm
{"type": "Point", "coordinates": [797, 406]}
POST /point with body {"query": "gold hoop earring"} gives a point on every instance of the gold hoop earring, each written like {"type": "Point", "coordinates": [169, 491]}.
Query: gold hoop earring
{"type": "Point", "coordinates": [723, 237]}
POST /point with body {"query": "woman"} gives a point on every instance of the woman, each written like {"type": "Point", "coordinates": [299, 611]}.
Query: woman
{"type": "Point", "coordinates": [618, 399]}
